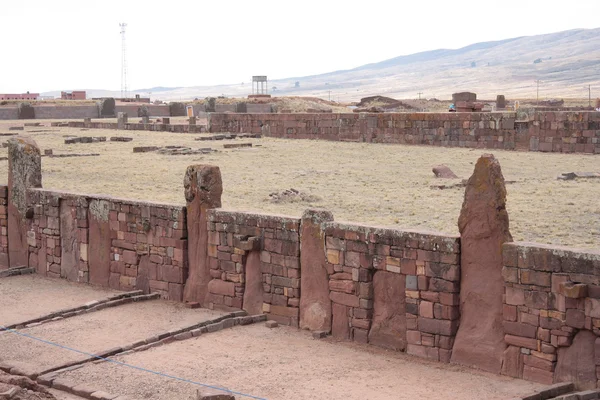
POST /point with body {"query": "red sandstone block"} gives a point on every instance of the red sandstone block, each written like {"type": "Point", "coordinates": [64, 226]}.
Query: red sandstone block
{"type": "Point", "coordinates": [284, 311]}
{"type": "Point", "coordinates": [521, 342]}
{"type": "Point", "coordinates": [360, 335]}
{"type": "Point", "coordinates": [441, 311]}
{"type": "Point", "coordinates": [509, 312]}
{"type": "Point", "coordinates": [170, 273]}
{"type": "Point", "coordinates": [537, 375]}
{"type": "Point", "coordinates": [344, 299]}
{"type": "Point", "coordinates": [274, 246]}
{"type": "Point", "coordinates": [130, 257]}
{"type": "Point", "coordinates": [434, 326]}
{"type": "Point", "coordinates": [520, 329]}
{"type": "Point", "coordinates": [440, 285]}
{"type": "Point", "coordinates": [426, 309]}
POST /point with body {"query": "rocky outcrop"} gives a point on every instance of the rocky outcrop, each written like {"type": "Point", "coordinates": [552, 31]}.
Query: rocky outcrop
{"type": "Point", "coordinates": [203, 188]}
{"type": "Point", "coordinates": [484, 227]}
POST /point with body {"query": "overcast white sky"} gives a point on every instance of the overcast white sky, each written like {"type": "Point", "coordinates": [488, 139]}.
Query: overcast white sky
{"type": "Point", "coordinates": [75, 44]}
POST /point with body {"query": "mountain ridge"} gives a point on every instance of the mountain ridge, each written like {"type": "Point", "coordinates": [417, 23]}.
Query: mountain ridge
{"type": "Point", "coordinates": [562, 61]}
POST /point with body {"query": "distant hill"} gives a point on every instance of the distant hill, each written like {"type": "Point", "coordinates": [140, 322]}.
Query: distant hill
{"type": "Point", "coordinates": [565, 62]}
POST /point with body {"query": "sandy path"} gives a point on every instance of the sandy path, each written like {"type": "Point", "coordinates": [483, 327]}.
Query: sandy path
{"type": "Point", "coordinates": [97, 331]}
{"type": "Point", "coordinates": [28, 296]}
{"type": "Point", "coordinates": [284, 363]}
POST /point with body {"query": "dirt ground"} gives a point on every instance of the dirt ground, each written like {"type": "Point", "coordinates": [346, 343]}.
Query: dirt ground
{"type": "Point", "coordinates": [374, 184]}
{"type": "Point", "coordinates": [285, 363]}
{"type": "Point", "coordinates": [97, 331]}
{"type": "Point", "coordinates": [29, 296]}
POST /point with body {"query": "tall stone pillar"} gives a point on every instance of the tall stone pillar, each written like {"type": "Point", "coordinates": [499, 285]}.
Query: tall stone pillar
{"type": "Point", "coordinates": [315, 305]}
{"type": "Point", "coordinates": [24, 172]}
{"type": "Point", "coordinates": [121, 120]}
{"type": "Point", "coordinates": [203, 188]}
{"type": "Point", "coordinates": [483, 226]}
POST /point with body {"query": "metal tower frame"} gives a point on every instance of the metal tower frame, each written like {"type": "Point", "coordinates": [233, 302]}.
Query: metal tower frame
{"type": "Point", "coordinates": [124, 94]}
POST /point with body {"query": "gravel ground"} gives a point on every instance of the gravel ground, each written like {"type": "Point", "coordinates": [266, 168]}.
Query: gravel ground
{"type": "Point", "coordinates": [29, 296]}
{"type": "Point", "coordinates": [285, 363]}
{"type": "Point", "coordinates": [97, 331]}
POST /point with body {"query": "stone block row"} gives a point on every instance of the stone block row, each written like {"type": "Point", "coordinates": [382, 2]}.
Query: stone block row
{"type": "Point", "coordinates": [551, 308]}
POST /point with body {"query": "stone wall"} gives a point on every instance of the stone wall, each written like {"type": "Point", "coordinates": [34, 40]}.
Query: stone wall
{"type": "Point", "coordinates": [395, 289]}
{"type": "Point", "coordinates": [64, 112]}
{"type": "Point", "coordinates": [109, 242]}
{"type": "Point", "coordinates": [4, 264]}
{"type": "Point", "coordinates": [81, 111]}
{"type": "Point", "coordinates": [552, 314]}
{"type": "Point", "coordinates": [176, 128]}
{"type": "Point", "coordinates": [255, 265]}
{"type": "Point", "coordinates": [545, 131]}
{"type": "Point", "coordinates": [431, 295]}
{"type": "Point", "coordinates": [9, 113]}
{"type": "Point", "coordinates": [154, 110]}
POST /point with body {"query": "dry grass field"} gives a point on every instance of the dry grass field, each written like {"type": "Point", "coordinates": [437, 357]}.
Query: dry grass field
{"type": "Point", "coordinates": [384, 185]}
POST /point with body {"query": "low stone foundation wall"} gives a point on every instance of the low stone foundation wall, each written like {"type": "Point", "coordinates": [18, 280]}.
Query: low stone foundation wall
{"type": "Point", "coordinates": [177, 128]}
{"type": "Point", "coordinates": [109, 242]}
{"type": "Point", "coordinates": [552, 314]}
{"type": "Point", "coordinates": [562, 132]}
{"type": "Point", "coordinates": [255, 264]}
{"type": "Point", "coordinates": [4, 264]}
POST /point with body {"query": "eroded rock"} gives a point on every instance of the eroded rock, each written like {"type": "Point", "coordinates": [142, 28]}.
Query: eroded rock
{"type": "Point", "coordinates": [389, 315]}
{"type": "Point", "coordinates": [203, 188]}
{"type": "Point", "coordinates": [442, 171]}
{"type": "Point", "coordinates": [484, 227]}
{"type": "Point", "coordinates": [315, 305]}
{"type": "Point", "coordinates": [24, 172]}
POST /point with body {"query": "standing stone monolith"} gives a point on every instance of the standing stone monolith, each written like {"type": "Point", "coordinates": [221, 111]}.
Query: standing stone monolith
{"type": "Point", "coordinates": [315, 304]}
{"type": "Point", "coordinates": [203, 188]}
{"type": "Point", "coordinates": [24, 172]}
{"type": "Point", "coordinates": [121, 120]}
{"type": "Point", "coordinates": [483, 226]}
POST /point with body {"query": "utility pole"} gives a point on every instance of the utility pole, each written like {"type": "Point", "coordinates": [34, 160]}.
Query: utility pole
{"type": "Point", "coordinates": [123, 25]}
{"type": "Point", "coordinates": [329, 95]}
{"type": "Point", "coordinates": [420, 93]}
{"type": "Point", "coordinates": [538, 92]}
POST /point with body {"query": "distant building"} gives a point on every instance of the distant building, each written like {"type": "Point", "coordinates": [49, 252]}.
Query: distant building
{"type": "Point", "coordinates": [74, 95]}
{"type": "Point", "coordinates": [24, 96]}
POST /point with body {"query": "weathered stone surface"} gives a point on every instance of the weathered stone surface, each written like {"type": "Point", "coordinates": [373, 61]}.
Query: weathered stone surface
{"type": "Point", "coordinates": [484, 227]}
{"type": "Point", "coordinates": [217, 286]}
{"type": "Point", "coordinates": [69, 240]}
{"type": "Point", "coordinates": [513, 362]}
{"type": "Point", "coordinates": [24, 172]}
{"type": "Point", "coordinates": [99, 247]}
{"type": "Point", "coordinates": [203, 188]}
{"type": "Point", "coordinates": [576, 363]}
{"type": "Point", "coordinates": [315, 305]}
{"type": "Point", "coordinates": [340, 328]}
{"type": "Point", "coordinates": [442, 171]}
{"type": "Point", "coordinates": [389, 317]}
{"type": "Point", "coordinates": [253, 293]}
{"type": "Point", "coordinates": [142, 281]}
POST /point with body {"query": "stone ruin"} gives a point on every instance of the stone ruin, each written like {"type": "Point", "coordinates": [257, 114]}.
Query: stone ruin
{"type": "Point", "coordinates": [466, 102]}
{"type": "Point", "coordinates": [479, 299]}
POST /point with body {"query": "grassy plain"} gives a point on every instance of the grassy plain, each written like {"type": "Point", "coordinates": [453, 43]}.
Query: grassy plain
{"type": "Point", "coordinates": [374, 184]}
